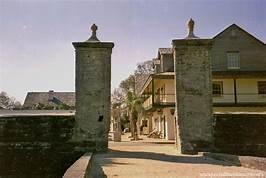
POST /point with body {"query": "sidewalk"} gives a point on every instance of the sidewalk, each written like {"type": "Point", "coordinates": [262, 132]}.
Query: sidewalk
{"type": "Point", "coordinates": [153, 158]}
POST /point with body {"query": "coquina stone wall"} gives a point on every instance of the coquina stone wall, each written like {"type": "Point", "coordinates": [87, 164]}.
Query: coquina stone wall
{"type": "Point", "coordinates": [193, 95]}
{"type": "Point", "coordinates": [240, 134]}
{"type": "Point", "coordinates": [37, 146]}
{"type": "Point", "coordinates": [93, 92]}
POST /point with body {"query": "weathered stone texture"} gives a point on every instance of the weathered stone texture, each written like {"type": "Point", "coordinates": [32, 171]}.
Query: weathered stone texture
{"type": "Point", "coordinates": [36, 146]}
{"type": "Point", "coordinates": [240, 134]}
{"type": "Point", "coordinates": [81, 168]}
{"type": "Point", "coordinates": [193, 95]}
{"type": "Point", "coordinates": [93, 92]}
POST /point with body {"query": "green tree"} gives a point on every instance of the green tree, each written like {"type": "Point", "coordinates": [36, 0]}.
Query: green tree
{"type": "Point", "coordinates": [135, 108]}
{"type": "Point", "coordinates": [126, 98]}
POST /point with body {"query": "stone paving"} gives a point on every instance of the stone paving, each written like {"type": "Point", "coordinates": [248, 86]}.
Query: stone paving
{"type": "Point", "coordinates": [156, 158]}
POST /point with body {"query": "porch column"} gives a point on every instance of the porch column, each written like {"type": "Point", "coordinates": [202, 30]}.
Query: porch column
{"type": "Point", "coordinates": [152, 89]}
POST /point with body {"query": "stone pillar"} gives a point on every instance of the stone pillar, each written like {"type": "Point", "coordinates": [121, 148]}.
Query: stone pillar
{"type": "Point", "coordinates": [193, 94]}
{"type": "Point", "coordinates": [93, 91]}
{"type": "Point", "coordinates": [116, 124]}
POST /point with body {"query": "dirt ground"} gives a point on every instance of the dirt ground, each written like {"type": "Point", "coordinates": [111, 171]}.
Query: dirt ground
{"type": "Point", "coordinates": [153, 158]}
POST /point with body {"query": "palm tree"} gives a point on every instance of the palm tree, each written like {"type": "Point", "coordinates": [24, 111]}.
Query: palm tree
{"type": "Point", "coordinates": [135, 108]}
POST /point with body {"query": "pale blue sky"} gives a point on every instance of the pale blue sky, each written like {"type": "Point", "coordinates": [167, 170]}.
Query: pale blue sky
{"type": "Point", "coordinates": [36, 53]}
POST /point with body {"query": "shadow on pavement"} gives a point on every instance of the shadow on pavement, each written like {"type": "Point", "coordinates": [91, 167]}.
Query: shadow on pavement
{"type": "Point", "coordinates": [106, 158]}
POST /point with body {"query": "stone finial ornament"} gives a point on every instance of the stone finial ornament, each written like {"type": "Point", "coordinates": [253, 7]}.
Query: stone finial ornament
{"type": "Point", "coordinates": [190, 25]}
{"type": "Point", "coordinates": [93, 37]}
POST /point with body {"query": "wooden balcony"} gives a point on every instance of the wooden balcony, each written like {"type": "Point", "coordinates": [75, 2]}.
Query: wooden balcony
{"type": "Point", "coordinates": [159, 101]}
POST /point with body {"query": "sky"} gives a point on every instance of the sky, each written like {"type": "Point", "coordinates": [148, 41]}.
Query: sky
{"type": "Point", "coordinates": [36, 52]}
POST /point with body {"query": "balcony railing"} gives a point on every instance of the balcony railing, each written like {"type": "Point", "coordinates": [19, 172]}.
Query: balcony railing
{"type": "Point", "coordinates": [159, 100]}
{"type": "Point", "coordinates": [240, 98]}
{"type": "Point", "coordinates": [164, 99]}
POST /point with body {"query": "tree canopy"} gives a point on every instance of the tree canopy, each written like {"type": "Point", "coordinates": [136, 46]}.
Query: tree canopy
{"type": "Point", "coordinates": [125, 100]}
{"type": "Point", "coordinates": [7, 102]}
{"type": "Point", "coordinates": [145, 67]}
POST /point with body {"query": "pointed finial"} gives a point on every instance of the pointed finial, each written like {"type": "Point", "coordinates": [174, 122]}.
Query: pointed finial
{"type": "Point", "coordinates": [190, 25]}
{"type": "Point", "coordinates": [93, 37]}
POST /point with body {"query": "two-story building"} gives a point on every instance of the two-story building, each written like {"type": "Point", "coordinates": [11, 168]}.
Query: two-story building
{"type": "Point", "coordinates": [239, 71]}
{"type": "Point", "coordinates": [159, 95]}
{"type": "Point", "coordinates": [238, 75]}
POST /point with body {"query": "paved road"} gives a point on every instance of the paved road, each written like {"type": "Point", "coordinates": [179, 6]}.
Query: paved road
{"type": "Point", "coordinates": [148, 159]}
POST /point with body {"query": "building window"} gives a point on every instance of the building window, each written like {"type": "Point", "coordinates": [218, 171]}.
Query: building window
{"type": "Point", "coordinates": [217, 88]}
{"type": "Point", "coordinates": [233, 60]}
{"type": "Point", "coordinates": [262, 87]}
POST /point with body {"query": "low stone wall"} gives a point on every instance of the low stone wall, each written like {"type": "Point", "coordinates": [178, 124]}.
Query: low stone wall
{"type": "Point", "coordinates": [240, 133]}
{"type": "Point", "coordinates": [81, 168]}
{"type": "Point", "coordinates": [37, 145]}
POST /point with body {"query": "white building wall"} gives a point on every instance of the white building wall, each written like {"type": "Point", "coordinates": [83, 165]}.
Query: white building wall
{"type": "Point", "coordinates": [247, 90]}
{"type": "Point", "coordinates": [228, 90]}
{"type": "Point", "coordinates": [170, 127]}
{"type": "Point", "coordinates": [155, 121]}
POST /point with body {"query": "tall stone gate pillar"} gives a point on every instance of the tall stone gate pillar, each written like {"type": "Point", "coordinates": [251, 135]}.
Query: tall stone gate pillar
{"type": "Point", "coordinates": [93, 91]}
{"type": "Point", "coordinates": [193, 93]}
